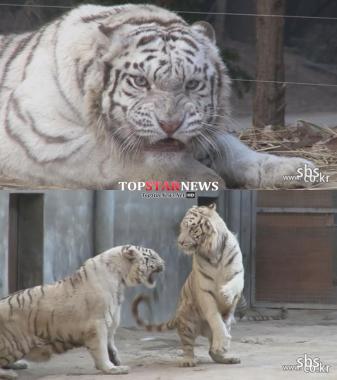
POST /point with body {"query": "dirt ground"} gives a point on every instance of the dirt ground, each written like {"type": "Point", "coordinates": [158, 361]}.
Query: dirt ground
{"type": "Point", "coordinates": [264, 347]}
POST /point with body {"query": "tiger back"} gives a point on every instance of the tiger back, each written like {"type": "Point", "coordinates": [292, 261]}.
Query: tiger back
{"type": "Point", "coordinates": [82, 310]}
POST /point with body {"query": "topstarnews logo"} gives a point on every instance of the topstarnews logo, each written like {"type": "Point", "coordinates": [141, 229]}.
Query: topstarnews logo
{"type": "Point", "coordinates": [170, 186]}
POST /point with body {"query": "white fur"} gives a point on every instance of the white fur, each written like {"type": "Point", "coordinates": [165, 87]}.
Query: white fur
{"type": "Point", "coordinates": [90, 161]}
{"type": "Point", "coordinates": [82, 310]}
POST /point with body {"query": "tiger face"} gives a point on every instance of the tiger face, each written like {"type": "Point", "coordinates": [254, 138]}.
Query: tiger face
{"type": "Point", "coordinates": [196, 229]}
{"type": "Point", "coordinates": [145, 264]}
{"type": "Point", "coordinates": [166, 86]}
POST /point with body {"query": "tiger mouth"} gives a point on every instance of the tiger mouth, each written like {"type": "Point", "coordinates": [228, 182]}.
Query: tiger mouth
{"type": "Point", "coordinates": [166, 145]}
{"type": "Point", "coordinates": [152, 278]}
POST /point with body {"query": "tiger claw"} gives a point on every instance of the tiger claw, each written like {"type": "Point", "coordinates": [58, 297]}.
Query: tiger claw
{"type": "Point", "coordinates": [188, 362]}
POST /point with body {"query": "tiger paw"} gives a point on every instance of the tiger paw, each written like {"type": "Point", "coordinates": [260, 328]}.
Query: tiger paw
{"type": "Point", "coordinates": [7, 374]}
{"type": "Point", "coordinates": [17, 365]}
{"type": "Point", "coordinates": [121, 370]}
{"type": "Point", "coordinates": [219, 357]}
{"type": "Point", "coordinates": [188, 362]}
{"type": "Point", "coordinates": [287, 172]}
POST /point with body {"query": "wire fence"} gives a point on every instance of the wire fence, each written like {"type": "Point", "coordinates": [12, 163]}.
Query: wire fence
{"type": "Point", "coordinates": [189, 12]}
{"type": "Point", "coordinates": [215, 14]}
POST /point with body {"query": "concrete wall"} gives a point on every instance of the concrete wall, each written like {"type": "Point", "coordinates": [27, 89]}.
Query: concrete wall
{"type": "Point", "coordinates": [104, 220]}
{"type": "Point", "coordinates": [4, 200]}
{"type": "Point", "coordinates": [68, 232]}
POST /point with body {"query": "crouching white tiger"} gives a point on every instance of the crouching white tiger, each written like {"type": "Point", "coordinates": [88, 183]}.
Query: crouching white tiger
{"type": "Point", "coordinates": [82, 310]}
{"type": "Point", "coordinates": [123, 93]}
{"type": "Point", "coordinates": [209, 296]}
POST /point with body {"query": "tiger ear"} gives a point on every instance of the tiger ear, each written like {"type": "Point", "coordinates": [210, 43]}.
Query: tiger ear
{"type": "Point", "coordinates": [206, 29]}
{"type": "Point", "coordinates": [130, 252]}
{"type": "Point", "coordinates": [212, 206]}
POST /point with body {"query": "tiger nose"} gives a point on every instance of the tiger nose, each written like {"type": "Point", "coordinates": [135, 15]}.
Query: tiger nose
{"type": "Point", "coordinates": [170, 127]}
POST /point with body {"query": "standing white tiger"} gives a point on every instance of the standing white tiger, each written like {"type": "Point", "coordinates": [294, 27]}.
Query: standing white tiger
{"type": "Point", "coordinates": [212, 290]}
{"type": "Point", "coordinates": [105, 94]}
{"type": "Point", "coordinates": [81, 310]}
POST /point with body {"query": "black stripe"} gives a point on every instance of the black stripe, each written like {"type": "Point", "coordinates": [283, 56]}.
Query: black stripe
{"type": "Point", "coordinates": [234, 275]}
{"type": "Point", "coordinates": [84, 74]}
{"type": "Point", "coordinates": [18, 300]}
{"type": "Point", "coordinates": [146, 40]}
{"type": "Point", "coordinates": [18, 139]}
{"type": "Point", "coordinates": [32, 52]}
{"type": "Point", "coordinates": [85, 272]}
{"type": "Point", "coordinates": [190, 42]}
{"type": "Point", "coordinates": [149, 51]}
{"type": "Point", "coordinates": [56, 74]}
{"type": "Point", "coordinates": [10, 306]}
{"type": "Point", "coordinates": [30, 296]}
{"type": "Point", "coordinates": [219, 79]}
{"type": "Point", "coordinates": [230, 260]}
{"type": "Point", "coordinates": [6, 45]}
{"type": "Point", "coordinates": [106, 75]}
{"type": "Point", "coordinates": [150, 58]}
{"type": "Point", "coordinates": [139, 22]}
{"type": "Point", "coordinates": [126, 93]}
{"type": "Point", "coordinates": [212, 91]}
{"type": "Point", "coordinates": [210, 293]}
{"type": "Point", "coordinates": [206, 275]}
{"type": "Point", "coordinates": [47, 139]}
{"type": "Point", "coordinates": [100, 16]}
{"type": "Point", "coordinates": [154, 20]}
{"type": "Point", "coordinates": [15, 54]}
{"type": "Point", "coordinates": [189, 52]}
{"type": "Point", "coordinates": [72, 282]}
{"type": "Point", "coordinates": [112, 92]}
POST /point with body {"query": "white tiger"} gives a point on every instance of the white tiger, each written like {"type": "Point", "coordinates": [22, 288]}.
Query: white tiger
{"type": "Point", "coordinates": [108, 94]}
{"type": "Point", "coordinates": [212, 290]}
{"type": "Point", "coordinates": [81, 310]}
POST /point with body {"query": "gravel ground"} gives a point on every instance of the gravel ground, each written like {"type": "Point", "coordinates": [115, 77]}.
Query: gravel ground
{"type": "Point", "coordinates": [264, 347]}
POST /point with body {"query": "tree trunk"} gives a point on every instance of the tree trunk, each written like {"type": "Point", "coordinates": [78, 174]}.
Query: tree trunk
{"type": "Point", "coordinates": [269, 99]}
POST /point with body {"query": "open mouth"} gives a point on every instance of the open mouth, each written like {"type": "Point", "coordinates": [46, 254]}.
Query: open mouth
{"type": "Point", "coordinates": [166, 145]}
{"type": "Point", "coordinates": [152, 278]}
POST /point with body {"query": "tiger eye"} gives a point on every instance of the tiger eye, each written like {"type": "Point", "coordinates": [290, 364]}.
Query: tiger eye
{"type": "Point", "coordinates": [141, 81]}
{"type": "Point", "coordinates": [192, 84]}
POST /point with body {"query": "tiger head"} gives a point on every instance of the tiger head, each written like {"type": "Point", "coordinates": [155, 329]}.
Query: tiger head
{"type": "Point", "coordinates": [164, 87]}
{"type": "Point", "coordinates": [145, 264]}
{"type": "Point", "coordinates": [203, 232]}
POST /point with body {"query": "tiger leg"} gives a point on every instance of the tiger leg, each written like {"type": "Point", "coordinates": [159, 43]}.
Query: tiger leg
{"type": "Point", "coordinates": [7, 374]}
{"type": "Point", "coordinates": [17, 365]}
{"type": "Point", "coordinates": [219, 335]}
{"type": "Point", "coordinates": [187, 332]}
{"type": "Point", "coordinates": [112, 349]}
{"type": "Point", "coordinates": [113, 352]}
{"type": "Point", "coordinates": [97, 344]}
{"type": "Point", "coordinates": [241, 166]}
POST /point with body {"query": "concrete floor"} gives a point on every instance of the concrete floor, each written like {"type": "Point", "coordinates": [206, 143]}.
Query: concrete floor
{"type": "Point", "coordinates": [264, 347]}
